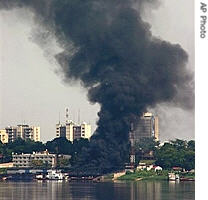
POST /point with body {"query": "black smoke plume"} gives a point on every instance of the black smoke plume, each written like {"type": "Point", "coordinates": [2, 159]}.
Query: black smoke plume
{"type": "Point", "coordinates": [110, 49]}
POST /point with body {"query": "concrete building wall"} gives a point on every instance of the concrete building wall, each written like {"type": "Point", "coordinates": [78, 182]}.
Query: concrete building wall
{"type": "Point", "coordinates": [25, 160]}
{"type": "Point", "coordinates": [36, 133]}
{"type": "Point", "coordinates": [73, 131]}
{"type": "Point", "coordinates": [76, 132]}
{"type": "Point", "coordinates": [69, 131]}
{"type": "Point", "coordinates": [156, 128]}
{"type": "Point", "coordinates": [12, 133]}
{"type": "Point", "coordinates": [23, 131]}
{"type": "Point", "coordinates": [86, 130]}
{"type": "Point", "coordinates": [4, 138]}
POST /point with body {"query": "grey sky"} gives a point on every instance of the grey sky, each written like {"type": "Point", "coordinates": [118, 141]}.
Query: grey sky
{"type": "Point", "coordinates": [32, 91]}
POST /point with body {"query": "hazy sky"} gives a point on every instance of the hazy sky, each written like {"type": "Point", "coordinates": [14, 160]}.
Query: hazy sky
{"type": "Point", "coordinates": [32, 91]}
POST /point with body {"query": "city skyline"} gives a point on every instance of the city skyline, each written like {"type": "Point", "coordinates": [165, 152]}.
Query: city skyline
{"type": "Point", "coordinates": [40, 94]}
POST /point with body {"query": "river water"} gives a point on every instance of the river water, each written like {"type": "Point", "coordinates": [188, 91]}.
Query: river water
{"type": "Point", "coordinates": [58, 190]}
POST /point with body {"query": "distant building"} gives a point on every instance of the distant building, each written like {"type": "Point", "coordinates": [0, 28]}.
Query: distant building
{"type": "Point", "coordinates": [24, 132]}
{"type": "Point", "coordinates": [148, 127]}
{"type": "Point", "coordinates": [72, 131]}
{"type": "Point", "coordinates": [26, 160]}
{"type": "Point", "coordinates": [4, 136]}
{"type": "Point", "coordinates": [65, 130]}
{"type": "Point", "coordinates": [82, 131]}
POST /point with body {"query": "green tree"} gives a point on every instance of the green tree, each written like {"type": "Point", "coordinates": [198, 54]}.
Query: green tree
{"type": "Point", "coordinates": [19, 146]}
{"type": "Point", "coordinates": [191, 145]}
{"type": "Point", "coordinates": [59, 146]}
{"type": "Point", "coordinates": [177, 153]}
{"type": "Point", "coordinates": [145, 146]}
{"type": "Point", "coordinates": [179, 144]}
{"type": "Point", "coordinates": [63, 162]}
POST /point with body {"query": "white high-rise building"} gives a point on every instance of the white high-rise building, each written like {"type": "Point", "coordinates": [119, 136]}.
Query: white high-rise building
{"type": "Point", "coordinates": [72, 131]}
{"type": "Point", "coordinates": [86, 130]}
{"type": "Point", "coordinates": [24, 132]}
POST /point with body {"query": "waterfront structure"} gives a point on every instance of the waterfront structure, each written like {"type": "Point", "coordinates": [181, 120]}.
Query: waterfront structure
{"type": "Point", "coordinates": [24, 132]}
{"type": "Point", "coordinates": [147, 127]}
{"type": "Point", "coordinates": [27, 160]}
{"type": "Point", "coordinates": [4, 136]}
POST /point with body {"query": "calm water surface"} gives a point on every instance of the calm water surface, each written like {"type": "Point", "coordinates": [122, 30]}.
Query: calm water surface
{"type": "Point", "coordinates": [54, 190]}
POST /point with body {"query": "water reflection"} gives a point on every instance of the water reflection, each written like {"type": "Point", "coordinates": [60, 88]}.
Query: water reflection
{"type": "Point", "coordinates": [58, 190]}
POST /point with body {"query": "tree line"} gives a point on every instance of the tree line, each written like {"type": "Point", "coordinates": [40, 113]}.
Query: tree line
{"type": "Point", "coordinates": [180, 153]}
{"type": "Point", "coordinates": [174, 153]}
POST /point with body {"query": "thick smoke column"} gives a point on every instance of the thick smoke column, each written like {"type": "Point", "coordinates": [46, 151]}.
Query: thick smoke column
{"type": "Point", "coordinates": [124, 68]}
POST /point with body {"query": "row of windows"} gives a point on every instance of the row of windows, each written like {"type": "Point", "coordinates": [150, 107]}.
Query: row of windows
{"type": "Point", "coordinates": [21, 165]}
{"type": "Point", "coordinates": [15, 161]}
{"type": "Point", "coordinates": [19, 161]}
{"type": "Point", "coordinates": [36, 157]}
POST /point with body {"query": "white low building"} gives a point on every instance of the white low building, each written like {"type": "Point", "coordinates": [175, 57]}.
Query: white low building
{"type": "Point", "coordinates": [26, 160]}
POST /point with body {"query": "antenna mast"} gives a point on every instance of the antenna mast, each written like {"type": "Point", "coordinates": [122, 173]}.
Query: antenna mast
{"type": "Point", "coordinates": [79, 116]}
{"type": "Point", "coordinates": [67, 114]}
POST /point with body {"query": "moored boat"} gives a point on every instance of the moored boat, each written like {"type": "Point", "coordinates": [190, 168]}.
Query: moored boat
{"type": "Point", "coordinates": [55, 175]}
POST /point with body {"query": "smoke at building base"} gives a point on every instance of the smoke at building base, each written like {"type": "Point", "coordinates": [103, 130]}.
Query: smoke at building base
{"type": "Point", "coordinates": [110, 49]}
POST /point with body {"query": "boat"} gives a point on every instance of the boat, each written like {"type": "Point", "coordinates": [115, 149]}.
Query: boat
{"type": "Point", "coordinates": [40, 177]}
{"type": "Point", "coordinates": [186, 179]}
{"type": "Point", "coordinates": [173, 176]}
{"type": "Point", "coordinates": [55, 175]}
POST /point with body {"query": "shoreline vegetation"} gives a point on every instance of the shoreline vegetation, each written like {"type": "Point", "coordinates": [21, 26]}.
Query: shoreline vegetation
{"type": "Point", "coordinates": [137, 175]}
{"type": "Point", "coordinates": [147, 175]}
{"type": "Point", "coordinates": [149, 156]}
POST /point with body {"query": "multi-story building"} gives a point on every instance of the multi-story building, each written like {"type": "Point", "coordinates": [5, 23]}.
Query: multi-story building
{"type": "Point", "coordinates": [4, 136]}
{"type": "Point", "coordinates": [26, 160]}
{"type": "Point", "coordinates": [86, 130]}
{"type": "Point", "coordinates": [23, 131]}
{"type": "Point", "coordinates": [65, 130]}
{"type": "Point", "coordinates": [148, 127]}
{"type": "Point", "coordinates": [72, 131]}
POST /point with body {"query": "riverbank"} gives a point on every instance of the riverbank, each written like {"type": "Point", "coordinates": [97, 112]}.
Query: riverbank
{"type": "Point", "coordinates": [149, 175]}
{"type": "Point", "coordinates": [144, 175]}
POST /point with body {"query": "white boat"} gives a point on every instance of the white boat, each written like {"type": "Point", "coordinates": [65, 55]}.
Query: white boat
{"type": "Point", "coordinates": [39, 177]}
{"type": "Point", "coordinates": [55, 175]}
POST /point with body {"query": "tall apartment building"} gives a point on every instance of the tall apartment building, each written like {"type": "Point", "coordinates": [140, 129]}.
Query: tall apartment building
{"type": "Point", "coordinates": [65, 130]}
{"type": "Point", "coordinates": [82, 131]}
{"type": "Point", "coordinates": [23, 131]}
{"type": "Point", "coordinates": [72, 131]}
{"type": "Point", "coordinates": [4, 136]}
{"type": "Point", "coordinates": [148, 127]}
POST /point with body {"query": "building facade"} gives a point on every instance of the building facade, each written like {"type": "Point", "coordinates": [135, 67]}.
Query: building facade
{"type": "Point", "coordinates": [148, 127]}
{"type": "Point", "coordinates": [26, 160]}
{"type": "Point", "coordinates": [24, 132]}
{"type": "Point", "coordinates": [72, 131]}
{"type": "Point", "coordinates": [4, 138]}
